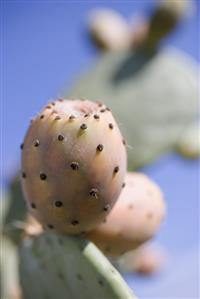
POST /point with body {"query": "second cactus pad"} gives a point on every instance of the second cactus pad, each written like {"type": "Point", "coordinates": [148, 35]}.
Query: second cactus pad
{"type": "Point", "coordinates": [53, 266]}
{"type": "Point", "coordinates": [153, 95]}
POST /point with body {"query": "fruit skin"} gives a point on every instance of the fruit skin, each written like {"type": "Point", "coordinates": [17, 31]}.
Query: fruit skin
{"type": "Point", "coordinates": [135, 218]}
{"type": "Point", "coordinates": [73, 165]}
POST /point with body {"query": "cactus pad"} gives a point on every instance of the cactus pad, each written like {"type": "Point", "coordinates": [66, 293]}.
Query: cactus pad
{"type": "Point", "coordinates": [15, 212]}
{"type": "Point", "coordinates": [154, 96]}
{"type": "Point", "coordinates": [54, 266]}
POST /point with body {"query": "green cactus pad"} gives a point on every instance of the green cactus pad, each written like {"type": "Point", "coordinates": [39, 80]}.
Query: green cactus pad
{"type": "Point", "coordinates": [8, 268]}
{"type": "Point", "coordinates": [53, 266]}
{"type": "Point", "coordinates": [15, 212]}
{"type": "Point", "coordinates": [154, 96]}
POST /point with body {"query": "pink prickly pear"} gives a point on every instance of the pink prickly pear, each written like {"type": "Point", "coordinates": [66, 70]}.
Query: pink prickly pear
{"type": "Point", "coordinates": [135, 218]}
{"type": "Point", "coordinates": [73, 165]}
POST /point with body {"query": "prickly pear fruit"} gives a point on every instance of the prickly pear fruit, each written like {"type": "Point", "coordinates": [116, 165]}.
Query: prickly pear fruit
{"type": "Point", "coordinates": [109, 30]}
{"type": "Point", "coordinates": [145, 260]}
{"type": "Point", "coordinates": [73, 165]}
{"type": "Point", "coordinates": [135, 218]}
{"type": "Point", "coordinates": [189, 142]}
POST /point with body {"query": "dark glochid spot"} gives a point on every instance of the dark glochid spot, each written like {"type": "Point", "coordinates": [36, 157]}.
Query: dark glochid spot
{"type": "Point", "coordinates": [50, 226]}
{"type": "Point", "coordinates": [94, 192]}
{"type": "Point", "coordinates": [96, 116]}
{"type": "Point", "coordinates": [83, 126]}
{"type": "Point", "coordinates": [60, 137]}
{"type": "Point", "coordinates": [124, 141]}
{"type": "Point", "coordinates": [100, 147]}
{"type": "Point", "coordinates": [74, 222]}
{"type": "Point", "coordinates": [36, 143]}
{"type": "Point", "coordinates": [79, 276]}
{"type": "Point", "coordinates": [71, 117]}
{"type": "Point", "coordinates": [58, 204]}
{"type": "Point", "coordinates": [106, 208]}
{"type": "Point", "coordinates": [43, 176]}
{"type": "Point", "coordinates": [33, 206]}
{"type": "Point", "coordinates": [116, 169]}
{"type": "Point", "coordinates": [100, 282]}
{"type": "Point", "coordinates": [74, 166]}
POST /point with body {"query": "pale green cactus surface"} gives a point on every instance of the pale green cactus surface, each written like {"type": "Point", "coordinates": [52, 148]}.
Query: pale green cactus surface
{"type": "Point", "coordinates": [53, 266]}
{"type": "Point", "coordinates": [153, 96]}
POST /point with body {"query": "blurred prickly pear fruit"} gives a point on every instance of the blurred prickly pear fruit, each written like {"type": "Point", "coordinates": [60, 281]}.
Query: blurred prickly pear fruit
{"type": "Point", "coordinates": [189, 142]}
{"type": "Point", "coordinates": [145, 260]}
{"type": "Point", "coordinates": [109, 29]}
{"type": "Point", "coordinates": [73, 165]}
{"type": "Point", "coordinates": [135, 218]}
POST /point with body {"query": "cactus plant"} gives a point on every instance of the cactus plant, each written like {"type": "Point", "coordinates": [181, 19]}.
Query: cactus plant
{"type": "Point", "coordinates": [53, 266]}
{"type": "Point", "coordinates": [39, 253]}
{"type": "Point", "coordinates": [73, 165]}
{"type": "Point", "coordinates": [135, 218]}
{"type": "Point", "coordinates": [153, 91]}
{"type": "Point", "coordinates": [110, 31]}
